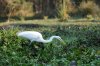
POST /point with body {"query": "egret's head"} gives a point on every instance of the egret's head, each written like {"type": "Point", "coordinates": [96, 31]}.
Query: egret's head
{"type": "Point", "coordinates": [59, 38]}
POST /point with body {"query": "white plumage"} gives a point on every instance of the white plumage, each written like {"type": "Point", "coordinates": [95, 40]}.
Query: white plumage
{"type": "Point", "coordinates": [36, 36]}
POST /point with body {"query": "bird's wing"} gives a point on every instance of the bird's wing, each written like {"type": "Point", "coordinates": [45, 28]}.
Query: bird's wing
{"type": "Point", "coordinates": [31, 35]}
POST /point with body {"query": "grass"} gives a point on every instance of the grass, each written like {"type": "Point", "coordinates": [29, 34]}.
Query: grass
{"type": "Point", "coordinates": [54, 22]}
{"type": "Point", "coordinates": [82, 45]}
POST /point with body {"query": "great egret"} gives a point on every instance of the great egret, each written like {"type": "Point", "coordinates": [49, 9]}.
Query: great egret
{"type": "Point", "coordinates": [36, 36]}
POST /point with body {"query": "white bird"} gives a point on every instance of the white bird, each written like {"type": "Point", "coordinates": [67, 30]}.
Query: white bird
{"type": "Point", "coordinates": [36, 36]}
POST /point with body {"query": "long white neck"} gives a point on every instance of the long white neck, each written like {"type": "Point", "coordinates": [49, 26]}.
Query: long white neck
{"type": "Point", "coordinates": [49, 40]}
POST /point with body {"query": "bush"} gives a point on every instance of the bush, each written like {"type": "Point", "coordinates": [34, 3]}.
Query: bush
{"type": "Point", "coordinates": [18, 8]}
{"type": "Point", "coordinates": [62, 10]}
{"type": "Point", "coordinates": [80, 43]}
{"type": "Point", "coordinates": [89, 7]}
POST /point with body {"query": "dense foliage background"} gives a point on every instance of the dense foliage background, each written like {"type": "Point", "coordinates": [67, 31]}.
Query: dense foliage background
{"type": "Point", "coordinates": [82, 45]}
{"type": "Point", "coordinates": [52, 8]}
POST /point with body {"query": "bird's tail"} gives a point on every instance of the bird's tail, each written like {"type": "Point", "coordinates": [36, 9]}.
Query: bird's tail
{"type": "Point", "coordinates": [18, 33]}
